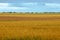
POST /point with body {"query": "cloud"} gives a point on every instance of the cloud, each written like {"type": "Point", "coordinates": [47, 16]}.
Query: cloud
{"type": "Point", "coordinates": [53, 5]}
{"type": "Point", "coordinates": [30, 4]}
{"type": "Point", "coordinates": [29, 7]}
{"type": "Point", "coordinates": [9, 7]}
{"type": "Point", "coordinates": [12, 9]}
{"type": "Point", "coordinates": [4, 4]}
{"type": "Point", "coordinates": [27, 4]}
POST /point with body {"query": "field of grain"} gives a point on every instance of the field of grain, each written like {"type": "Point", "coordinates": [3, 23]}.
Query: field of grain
{"type": "Point", "coordinates": [30, 27]}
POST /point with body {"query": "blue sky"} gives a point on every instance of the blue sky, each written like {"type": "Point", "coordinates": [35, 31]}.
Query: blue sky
{"type": "Point", "coordinates": [29, 5]}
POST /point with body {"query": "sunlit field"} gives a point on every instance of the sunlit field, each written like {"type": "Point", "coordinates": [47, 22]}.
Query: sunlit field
{"type": "Point", "coordinates": [46, 27]}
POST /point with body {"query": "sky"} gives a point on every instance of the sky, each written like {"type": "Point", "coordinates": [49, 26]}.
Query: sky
{"type": "Point", "coordinates": [29, 5]}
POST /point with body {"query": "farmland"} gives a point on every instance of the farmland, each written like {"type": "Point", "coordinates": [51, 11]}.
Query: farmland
{"type": "Point", "coordinates": [29, 26]}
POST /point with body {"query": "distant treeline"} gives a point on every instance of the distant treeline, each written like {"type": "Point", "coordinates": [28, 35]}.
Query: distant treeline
{"type": "Point", "coordinates": [33, 12]}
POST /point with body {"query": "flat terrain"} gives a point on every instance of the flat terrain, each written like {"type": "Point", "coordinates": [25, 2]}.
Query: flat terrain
{"type": "Point", "coordinates": [30, 26]}
{"type": "Point", "coordinates": [13, 18]}
{"type": "Point", "coordinates": [29, 17]}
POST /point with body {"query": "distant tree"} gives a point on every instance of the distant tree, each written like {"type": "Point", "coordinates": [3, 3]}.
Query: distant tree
{"type": "Point", "coordinates": [14, 12]}
{"type": "Point", "coordinates": [10, 12]}
{"type": "Point", "coordinates": [31, 12]}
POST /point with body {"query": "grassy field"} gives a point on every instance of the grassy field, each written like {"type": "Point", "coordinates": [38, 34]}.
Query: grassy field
{"type": "Point", "coordinates": [30, 29]}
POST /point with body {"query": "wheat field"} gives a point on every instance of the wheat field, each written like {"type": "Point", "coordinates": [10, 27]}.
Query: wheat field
{"type": "Point", "coordinates": [47, 27]}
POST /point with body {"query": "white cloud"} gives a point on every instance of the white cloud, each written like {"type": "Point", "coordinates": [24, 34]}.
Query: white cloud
{"type": "Point", "coordinates": [8, 7]}
{"type": "Point", "coordinates": [12, 9]}
{"type": "Point", "coordinates": [52, 5]}
{"type": "Point", "coordinates": [29, 4]}
{"type": "Point", "coordinates": [4, 4]}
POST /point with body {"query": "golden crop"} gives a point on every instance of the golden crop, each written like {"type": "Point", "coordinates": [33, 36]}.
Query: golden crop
{"type": "Point", "coordinates": [30, 30]}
